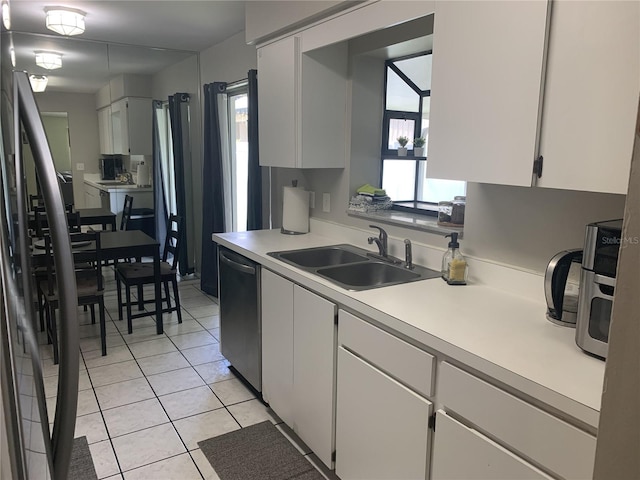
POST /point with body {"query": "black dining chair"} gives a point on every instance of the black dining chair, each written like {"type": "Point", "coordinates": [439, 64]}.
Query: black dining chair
{"type": "Point", "coordinates": [89, 283]}
{"type": "Point", "coordinates": [35, 201]}
{"type": "Point", "coordinates": [42, 225]}
{"type": "Point", "coordinates": [126, 211]}
{"type": "Point", "coordinates": [138, 274]}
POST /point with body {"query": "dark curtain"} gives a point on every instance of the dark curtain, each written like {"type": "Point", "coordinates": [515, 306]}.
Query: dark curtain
{"type": "Point", "coordinates": [254, 191]}
{"type": "Point", "coordinates": [178, 114]}
{"type": "Point", "coordinates": [212, 184]}
{"type": "Point", "coordinates": [159, 203]}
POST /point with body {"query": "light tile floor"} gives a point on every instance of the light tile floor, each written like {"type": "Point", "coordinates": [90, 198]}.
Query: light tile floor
{"type": "Point", "coordinates": [145, 405]}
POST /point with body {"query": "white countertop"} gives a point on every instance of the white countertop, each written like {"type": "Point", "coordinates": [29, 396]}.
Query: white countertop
{"type": "Point", "coordinates": [504, 336]}
{"type": "Point", "coordinates": [111, 186]}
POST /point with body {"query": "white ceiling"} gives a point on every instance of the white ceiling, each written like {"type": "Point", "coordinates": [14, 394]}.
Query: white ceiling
{"type": "Point", "coordinates": [119, 35]}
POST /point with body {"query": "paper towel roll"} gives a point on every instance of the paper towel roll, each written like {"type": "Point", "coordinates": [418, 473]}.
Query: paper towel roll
{"type": "Point", "coordinates": [144, 175]}
{"type": "Point", "coordinates": [295, 210]}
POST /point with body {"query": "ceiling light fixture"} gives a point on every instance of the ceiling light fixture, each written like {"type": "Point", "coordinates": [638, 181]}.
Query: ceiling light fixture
{"type": "Point", "coordinates": [38, 82]}
{"type": "Point", "coordinates": [48, 60]}
{"type": "Point", "coordinates": [65, 21]}
{"type": "Point", "coordinates": [6, 14]}
{"type": "Point", "coordinates": [12, 52]}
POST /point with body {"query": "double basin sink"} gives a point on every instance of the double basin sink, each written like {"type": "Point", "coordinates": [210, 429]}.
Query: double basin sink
{"type": "Point", "coordinates": [353, 268]}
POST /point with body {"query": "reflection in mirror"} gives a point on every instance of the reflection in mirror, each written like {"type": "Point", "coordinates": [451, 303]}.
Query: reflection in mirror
{"type": "Point", "coordinates": [56, 126]}
{"type": "Point", "coordinates": [94, 77]}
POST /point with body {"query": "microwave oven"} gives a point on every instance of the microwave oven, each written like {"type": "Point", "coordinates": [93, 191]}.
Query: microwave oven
{"type": "Point", "coordinates": [110, 166]}
{"type": "Point", "coordinates": [597, 285]}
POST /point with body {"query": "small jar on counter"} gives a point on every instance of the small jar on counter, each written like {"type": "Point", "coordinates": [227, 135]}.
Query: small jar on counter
{"type": "Point", "coordinates": [445, 210]}
{"type": "Point", "coordinates": [457, 210]}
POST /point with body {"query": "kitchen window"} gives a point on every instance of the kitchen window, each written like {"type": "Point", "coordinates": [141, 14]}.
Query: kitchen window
{"type": "Point", "coordinates": [407, 104]}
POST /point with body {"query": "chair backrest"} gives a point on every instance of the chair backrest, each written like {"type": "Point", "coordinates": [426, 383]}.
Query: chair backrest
{"type": "Point", "coordinates": [42, 225]}
{"type": "Point", "coordinates": [91, 253]}
{"type": "Point", "coordinates": [126, 211]}
{"type": "Point", "coordinates": [35, 201]}
{"type": "Point", "coordinates": [173, 242]}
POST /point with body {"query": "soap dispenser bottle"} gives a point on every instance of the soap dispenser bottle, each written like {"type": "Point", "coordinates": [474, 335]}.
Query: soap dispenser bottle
{"type": "Point", "coordinates": [454, 265]}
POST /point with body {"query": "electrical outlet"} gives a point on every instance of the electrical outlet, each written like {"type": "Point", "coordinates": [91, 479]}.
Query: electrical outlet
{"type": "Point", "coordinates": [312, 199]}
{"type": "Point", "coordinates": [326, 202]}
{"type": "Point", "coordinates": [80, 166]}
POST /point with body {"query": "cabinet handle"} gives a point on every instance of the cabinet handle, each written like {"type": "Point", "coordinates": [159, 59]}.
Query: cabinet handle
{"type": "Point", "coordinates": [537, 166]}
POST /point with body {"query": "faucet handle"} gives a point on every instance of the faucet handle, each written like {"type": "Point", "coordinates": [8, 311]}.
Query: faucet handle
{"type": "Point", "coordinates": [408, 256]}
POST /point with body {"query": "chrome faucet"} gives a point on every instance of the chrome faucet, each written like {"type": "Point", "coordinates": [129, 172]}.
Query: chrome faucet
{"type": "Point", "coordinates": [381, 241]}
{"type": "Point", "coordinates": [408, 257]}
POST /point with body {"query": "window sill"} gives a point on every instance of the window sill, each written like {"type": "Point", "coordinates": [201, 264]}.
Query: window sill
{"type": "Point", "coordinates": [414, 221]}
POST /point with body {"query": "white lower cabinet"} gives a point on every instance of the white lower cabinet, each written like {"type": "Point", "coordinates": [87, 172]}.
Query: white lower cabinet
{"type": "Point", "coordinates": [314, 347]}
{"type": "Point", "coordinates": [459, 452]}
{"type": "Point", "coordinates": [362, 398]}
{"type": "Point", "coordinates": [545, 440]}
{"type": "Point", "coordinates": [298, 361]}
{"type": "Point", "coordinates": [92, 197]}
{"type": "Point", "coordinates": [382, 424]}
{"type": "Point", "coordinates": [277, 344]}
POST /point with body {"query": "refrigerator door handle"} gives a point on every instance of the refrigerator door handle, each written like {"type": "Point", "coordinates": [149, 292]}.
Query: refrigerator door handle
{"type": "Point", "coordinates": [67, 402]}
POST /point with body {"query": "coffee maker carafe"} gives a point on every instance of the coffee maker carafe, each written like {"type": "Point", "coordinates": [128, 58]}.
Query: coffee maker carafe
{"type": "Point", "coordinates": [561, 294]}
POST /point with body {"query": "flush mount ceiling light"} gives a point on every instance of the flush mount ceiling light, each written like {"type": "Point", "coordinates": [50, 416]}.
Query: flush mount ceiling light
{"type": "Point", "coordinates": [38, 82]}
{"type": "Point", "coordinates": [48, 60]}
{"type": "Point", "coordinates": [6, 14]}
{"type": "Point", "coordinates": [65, 21]}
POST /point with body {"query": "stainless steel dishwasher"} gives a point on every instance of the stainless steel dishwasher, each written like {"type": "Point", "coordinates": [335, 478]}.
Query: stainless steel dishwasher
{"type": "Point", "coordinates": [240, 321]}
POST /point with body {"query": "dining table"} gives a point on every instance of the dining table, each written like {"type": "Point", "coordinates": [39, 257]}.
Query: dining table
{"type": "Point", "coordinates": [118, 245]}
{"type": "Point", "coordinates": [97, 216]}
{"type": "Point", "coordinates": [88, 216]}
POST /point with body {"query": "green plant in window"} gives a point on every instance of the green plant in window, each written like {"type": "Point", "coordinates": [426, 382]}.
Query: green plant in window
{"type": "Point", "coordinates": [403, 141]}
{"type": "Point", "coordinates": [419, 142]}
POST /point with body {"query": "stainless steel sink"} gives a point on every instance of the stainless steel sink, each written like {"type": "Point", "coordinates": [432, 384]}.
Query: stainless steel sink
{"type": "Point", "coordinates": [353, 268]}
{"type": "Point", "coordinates": [362, 276]}
{"type": "Point", "coordinates": [321, 256]}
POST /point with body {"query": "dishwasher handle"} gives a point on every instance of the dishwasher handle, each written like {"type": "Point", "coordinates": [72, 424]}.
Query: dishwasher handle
{"type": "Point", "coordinates": [235, 265]}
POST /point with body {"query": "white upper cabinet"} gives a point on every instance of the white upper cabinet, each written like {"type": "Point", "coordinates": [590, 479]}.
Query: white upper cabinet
{"type": "Point", "coordinates": [485, 90]}
{"type": "Point", "coordinates": [131, 123]}
{"type": "Point", "coordinates": [105, 130]}
{"type": "Point", "coordinates": [591, 96]}
{"type": "Point", "coordinates": [302, 105]}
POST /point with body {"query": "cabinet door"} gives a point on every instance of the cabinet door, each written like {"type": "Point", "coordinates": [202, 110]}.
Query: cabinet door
{"type": "Point", "coordinates": [323, 100]}
{"type": "Point", "coordinates": [92, 197]}
{"type": "Point", "coordinates": [119, 127]}
{"type": "Point", "coordinates": [591, 96]}
{"type": "Point", "coordinates": [460, 452]}
{"type": "Point", "coordinates": [381, 426]}
{"type": "Point", "coordinates": [277, 344]}
{"type": "Point", "coordinates": [278, 68]}
{"type": "Point", "coordinates": [139, 127]}
{"type": "Point", "coordinates": [104, 127]}
{"type": "Point", "coordinates": [485, 90]}
{"type": "Point", "coordinates": [314, 340]}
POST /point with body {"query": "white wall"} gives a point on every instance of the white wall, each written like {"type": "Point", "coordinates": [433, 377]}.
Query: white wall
{"type": "Point", "coordinates": [83, 132]}
{"type": "Point", "coordinates": [227, 61]}
{"type": "Point", "coordinates": [266, 18]}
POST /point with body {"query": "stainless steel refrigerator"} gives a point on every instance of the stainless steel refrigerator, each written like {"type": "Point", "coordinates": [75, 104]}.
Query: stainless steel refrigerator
{"type": "Point", "coordinates": [29, 448]}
